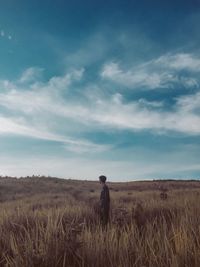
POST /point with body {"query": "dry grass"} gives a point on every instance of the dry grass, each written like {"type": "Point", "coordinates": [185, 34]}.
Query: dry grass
{"type": "Point", "coordinates": [51, 222]}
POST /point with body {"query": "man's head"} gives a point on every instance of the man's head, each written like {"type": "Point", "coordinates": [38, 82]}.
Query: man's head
{"type": "Point", "coordinates": [102, 179]}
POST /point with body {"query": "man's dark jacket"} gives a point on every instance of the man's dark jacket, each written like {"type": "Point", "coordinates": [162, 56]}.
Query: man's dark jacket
{"type": "Point", "coordinates": [104, 205]}
{"type": "Point", "coordinates": [105, 198]}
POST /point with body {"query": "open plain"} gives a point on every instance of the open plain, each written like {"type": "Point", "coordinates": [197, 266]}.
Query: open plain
{"type": "Point", "coordinates": [48, 222]}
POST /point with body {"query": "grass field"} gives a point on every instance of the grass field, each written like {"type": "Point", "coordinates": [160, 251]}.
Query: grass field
{"type": "Point", "coordinates": [54, 222]}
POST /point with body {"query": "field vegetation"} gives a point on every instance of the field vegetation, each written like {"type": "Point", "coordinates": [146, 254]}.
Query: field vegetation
{"type": "Point", "coordinates": [49, 222]}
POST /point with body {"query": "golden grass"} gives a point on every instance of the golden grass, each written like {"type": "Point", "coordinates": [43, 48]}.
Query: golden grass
{"type": "Point", "coordinates": [53, 223]}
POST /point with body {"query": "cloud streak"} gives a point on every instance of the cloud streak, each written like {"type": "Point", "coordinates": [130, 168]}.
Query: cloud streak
{"type": "Point", "coordinates": [10, 126]}
{"type": "Point", "coordinates": [139, 115]}
{"type": "Point", "coordinates": [163, 72]}
{"type": "Point", "coordinates": [111, 112]}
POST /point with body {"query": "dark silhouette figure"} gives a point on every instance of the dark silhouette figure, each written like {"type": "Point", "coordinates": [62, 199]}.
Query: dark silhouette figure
{"type": "Point", "coordinates": [104, 201]}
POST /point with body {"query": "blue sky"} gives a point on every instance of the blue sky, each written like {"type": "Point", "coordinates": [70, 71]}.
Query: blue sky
{"type": "Point", "coordinates": [94, 87]}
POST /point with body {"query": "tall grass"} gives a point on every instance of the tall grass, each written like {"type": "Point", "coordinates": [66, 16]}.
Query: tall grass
{"type": "Point", "coordinates": [64, 230]}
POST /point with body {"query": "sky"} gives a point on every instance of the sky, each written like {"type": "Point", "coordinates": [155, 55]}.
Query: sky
{"type": "Point", "coordinates": [100, 87]}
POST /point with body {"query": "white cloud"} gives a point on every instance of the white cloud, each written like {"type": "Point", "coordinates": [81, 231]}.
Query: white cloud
{"type": "Point", "coordinates": [62, 82]}
{"type": "Point", "coordinates": [132, 78]}
{"type": "Point", "coordinates": [111, 112]}
{"type": "Point", "coordinates": [37, 112]}
{"type": "Point", "coordinates": [157, 73]}
{"type": "Point", "coordinates": [137, 117]}
{"type": "Point", "coordinates": [6, 85]}
{"type": "Point", "coordinates": [38, 103]}
{"type": "Point", "coordinates": [180, 62]}
{"type": "Point", "coordinates": [189, 103]}
{"type": "Point", "coordinates": [31, 75]}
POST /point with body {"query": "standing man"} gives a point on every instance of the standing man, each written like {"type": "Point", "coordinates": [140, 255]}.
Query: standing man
{"type": "Point", "coordinates": [104, 201]}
